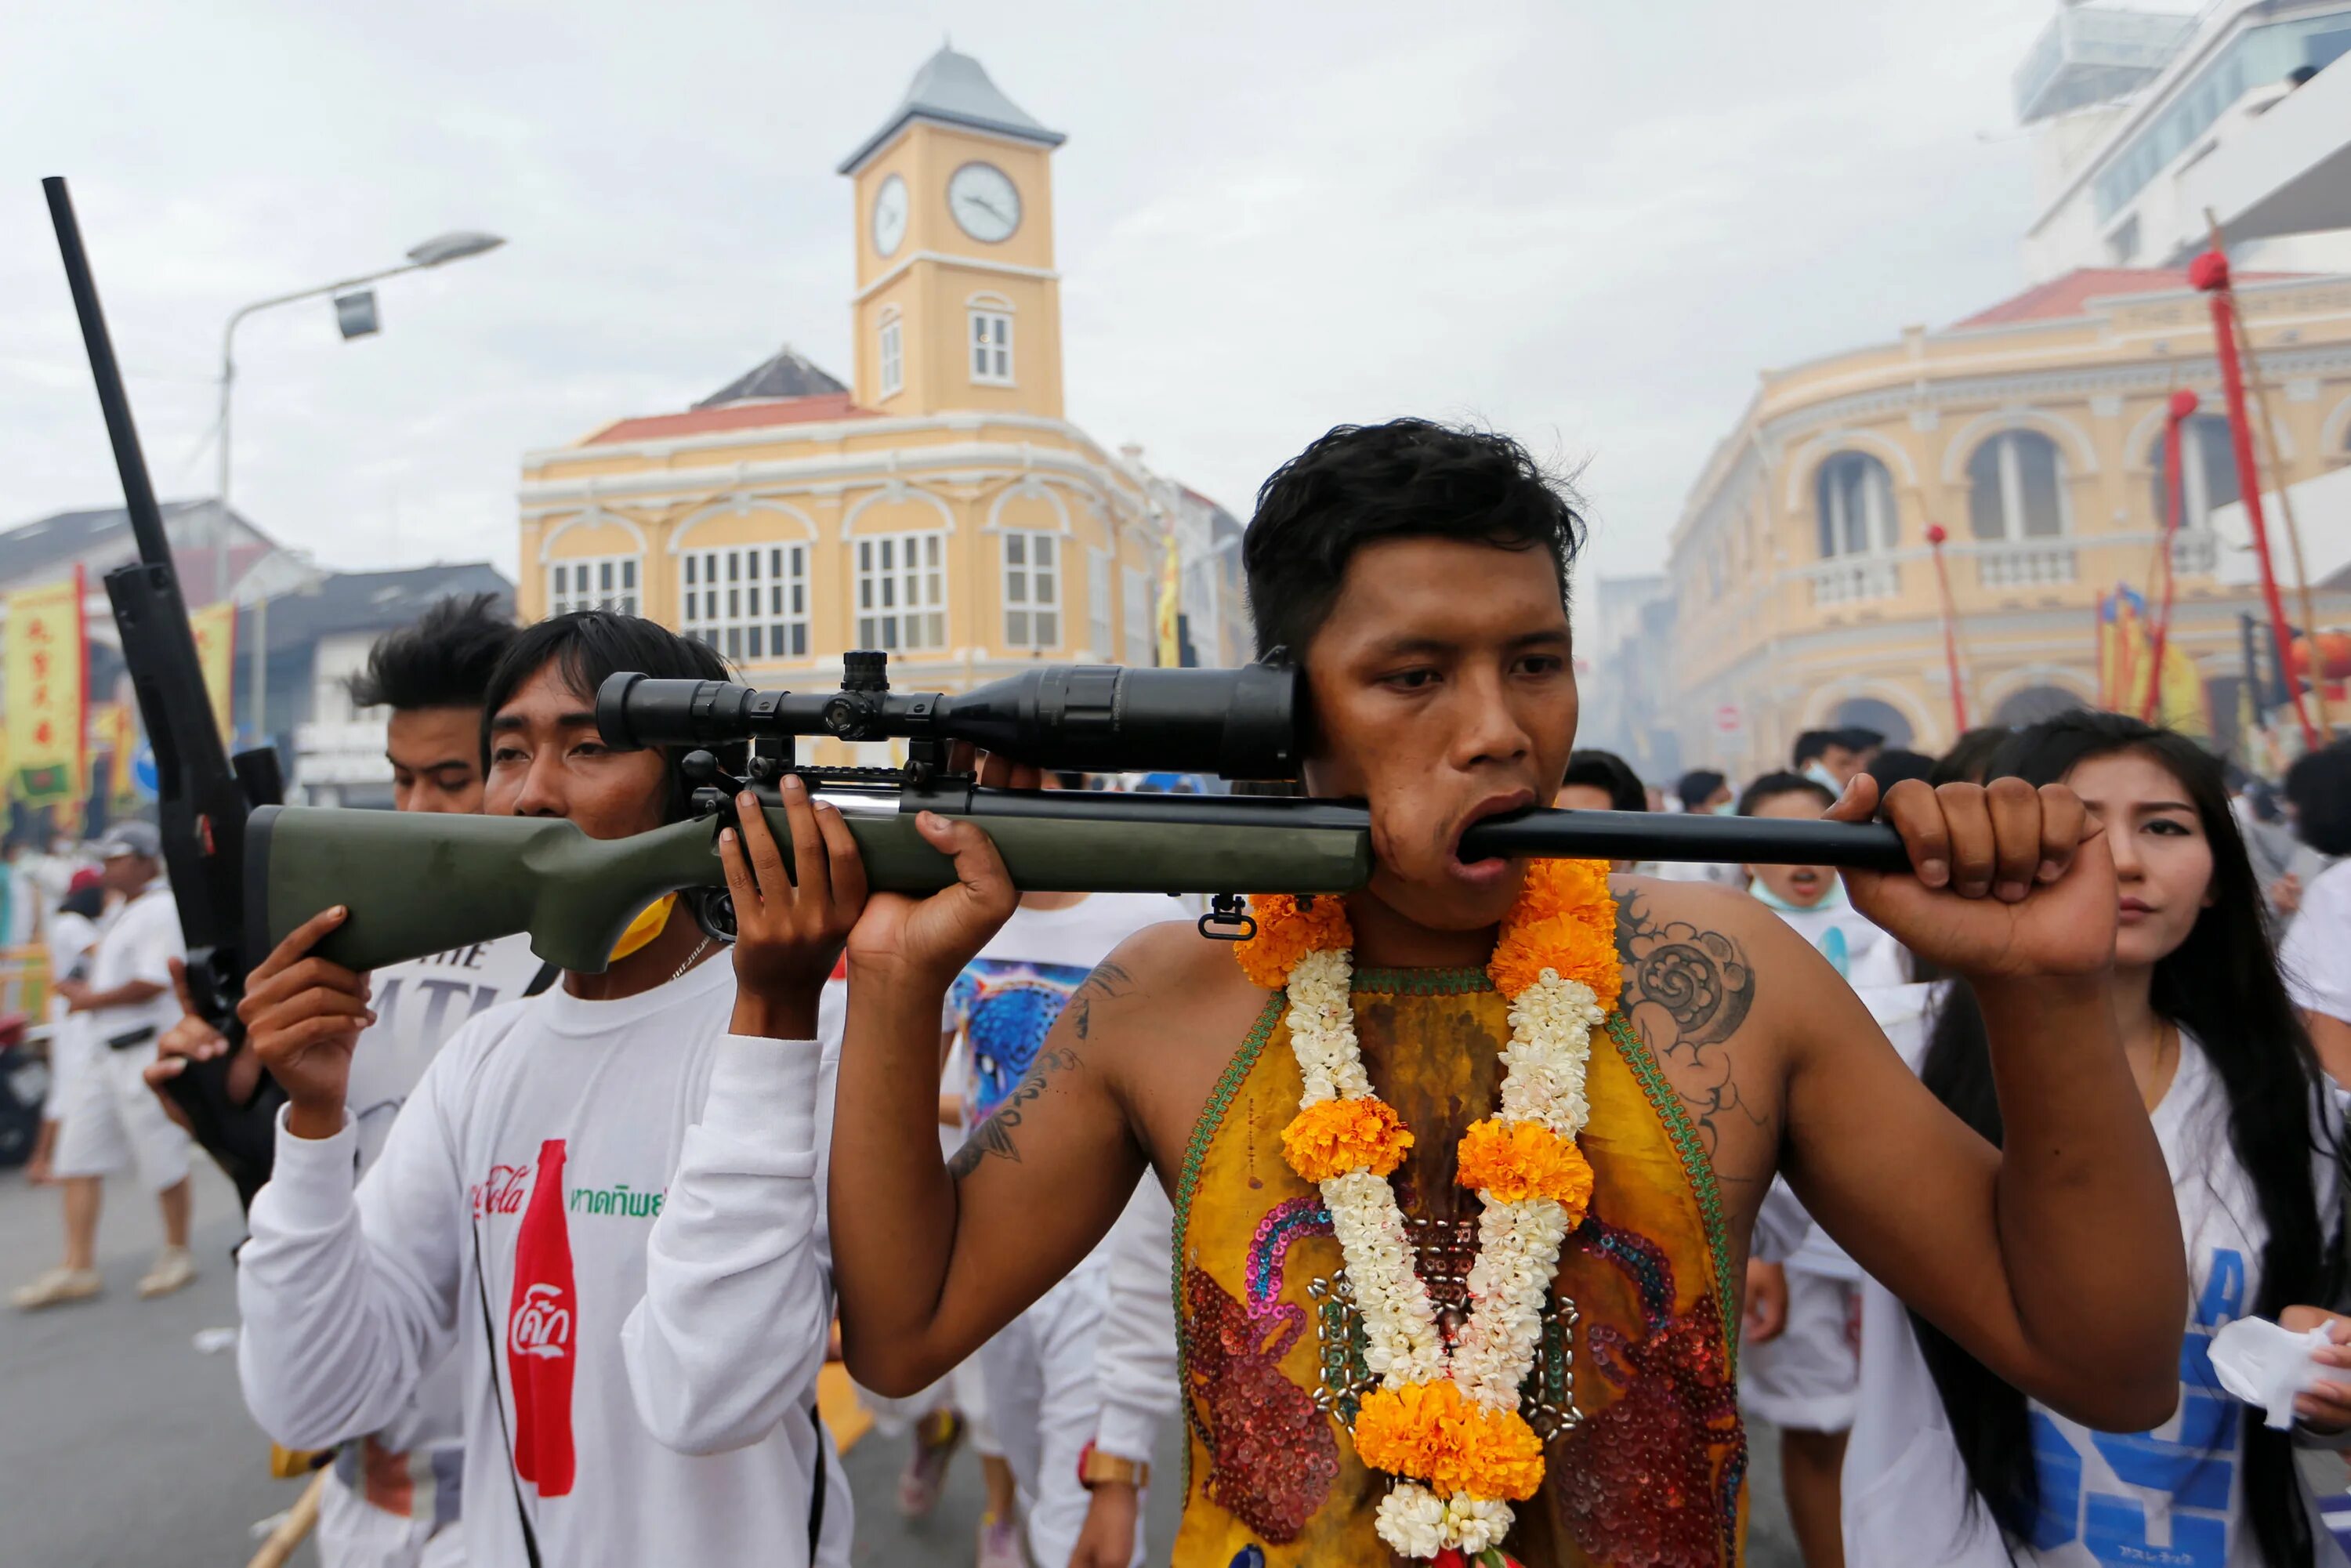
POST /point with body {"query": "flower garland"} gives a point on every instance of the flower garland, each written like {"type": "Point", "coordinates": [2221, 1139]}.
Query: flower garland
{"type": "Point", "coordinates": [1446, 1420]}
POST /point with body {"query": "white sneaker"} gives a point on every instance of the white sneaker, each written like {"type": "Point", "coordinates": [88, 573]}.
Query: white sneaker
{"type": "Point", "coordinates": [174, 1269]}
{"type": "Point", "coordinates": [56, 1288]}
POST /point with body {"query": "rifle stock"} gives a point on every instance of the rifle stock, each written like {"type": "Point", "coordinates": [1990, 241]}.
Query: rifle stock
{"type": "Point", "coordinates": [422, 882]}
{"type": "Point", "coordinates": [462, 880]}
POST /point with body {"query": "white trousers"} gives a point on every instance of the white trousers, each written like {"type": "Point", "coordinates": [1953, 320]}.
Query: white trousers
{"type": "Point", "coordinates": [1045, 1404]}
{"type": "Point", "coordinates": [110, 1120]}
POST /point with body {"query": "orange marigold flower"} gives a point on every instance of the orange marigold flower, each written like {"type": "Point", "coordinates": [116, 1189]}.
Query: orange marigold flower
{"type": "Point", "coordinates": [1512, 1162]}
{"type": "Point", "coordinates": [1575, 945]}
{"type": "Point", "coordinates": [1285, 933]}
{"type": "Point", "coordinates": [1400, 1430]}
{"type": "Point", "coordinates": [1555, 887]}
{"type": "Point", "coordinates": [1430, 1432]}
{"type": "Point", "coordinates": [1501, 1457]}
{"type": "Point", "coordinates": [1332, 1137]}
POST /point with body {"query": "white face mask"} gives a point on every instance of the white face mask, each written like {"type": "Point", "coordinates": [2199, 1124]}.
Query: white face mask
{"type": "Point", "coordinates": [1727, 809]}
{"type": "Point", "coordinates": [1817, 771]}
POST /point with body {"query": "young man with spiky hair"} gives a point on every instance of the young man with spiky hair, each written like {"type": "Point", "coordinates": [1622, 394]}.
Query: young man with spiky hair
{"type": "Point", "coordinates": [500, 1232]}
{"type": "Point", "coordinates": [1378, 1359]}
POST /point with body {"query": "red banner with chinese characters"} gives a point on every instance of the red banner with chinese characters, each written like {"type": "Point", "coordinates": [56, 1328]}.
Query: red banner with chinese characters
{"type": "Point", "coordinates": [42, 650]}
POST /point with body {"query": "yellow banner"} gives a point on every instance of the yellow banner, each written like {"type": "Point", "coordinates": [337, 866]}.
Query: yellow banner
{"type": "Point", "coordinates": [114, 730]}
{"type": "Point", "coordinates": [2126, 654]}
{"type": "Point", "coordinates": [43, 658]}
{"type": "Point", "coordinates": [1170, 641]}
{"type": "Point", "coordinates": [215, 629]}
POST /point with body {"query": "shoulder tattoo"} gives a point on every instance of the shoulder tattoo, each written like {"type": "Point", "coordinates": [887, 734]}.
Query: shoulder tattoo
{"type": "Point", "coordinates": [1108, 982]}
{"type": "Point", "coordinates": [995, 1135]}
{"type": "Point", "coordinates": [1687, 991]}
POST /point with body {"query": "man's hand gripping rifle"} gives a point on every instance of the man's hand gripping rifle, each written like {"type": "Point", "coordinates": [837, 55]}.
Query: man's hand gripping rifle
{"type": "Point", "coordinates": [418, 882]}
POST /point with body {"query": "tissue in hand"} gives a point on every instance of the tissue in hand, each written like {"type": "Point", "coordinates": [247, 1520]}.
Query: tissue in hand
{"type": "Point", "coordinates": [2265, 1365]}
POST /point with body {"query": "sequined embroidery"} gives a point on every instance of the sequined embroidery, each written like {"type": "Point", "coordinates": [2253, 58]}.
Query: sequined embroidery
{"type": "Point", "coordinates": [1283, 1224]}
{"type": "Point", "coordinates": [1272, 1453]}
{"type": "Point", "coordinates": [1636, 1482]}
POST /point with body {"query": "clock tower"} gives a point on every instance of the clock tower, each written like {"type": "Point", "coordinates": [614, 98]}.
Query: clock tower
{"type": "Point", "coordinates": [958, 307]}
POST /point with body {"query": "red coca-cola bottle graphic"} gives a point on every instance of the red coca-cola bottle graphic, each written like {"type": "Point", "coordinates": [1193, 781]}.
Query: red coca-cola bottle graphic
{"type": "Point", "coordinates": [542, 1330]}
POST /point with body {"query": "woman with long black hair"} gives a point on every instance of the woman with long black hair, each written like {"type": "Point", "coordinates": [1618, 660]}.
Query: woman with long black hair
{"type": "Point", "coordinates": [1951, 1466]}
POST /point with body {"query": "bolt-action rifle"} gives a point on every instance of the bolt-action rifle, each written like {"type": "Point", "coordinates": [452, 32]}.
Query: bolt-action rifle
{"type": "Point", "coordinates": [418, 884]}
{"type": "Point", "coordinates": [202, 799]}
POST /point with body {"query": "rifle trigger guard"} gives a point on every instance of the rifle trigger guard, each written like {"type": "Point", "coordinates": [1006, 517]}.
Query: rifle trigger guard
{"type": "Point", "coordinates": [1227, 920]}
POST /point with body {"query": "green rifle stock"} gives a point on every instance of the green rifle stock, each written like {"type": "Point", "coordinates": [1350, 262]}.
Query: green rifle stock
{"type": "Point", "coordinates": [422, 882]}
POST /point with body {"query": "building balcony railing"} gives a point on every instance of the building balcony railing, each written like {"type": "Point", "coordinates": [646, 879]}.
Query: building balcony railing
{"type": "Point", "coordinates": [1854, 581]}
{"type": "Point", "coordinates": [2195, 553]}
{"type": "Point", "coordinates": [2023, 566]}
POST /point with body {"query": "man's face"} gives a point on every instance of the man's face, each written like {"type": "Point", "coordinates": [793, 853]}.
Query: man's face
{"type": "Point", "coordinates": [1842, 763]}
{"type": "Point", "coordinates": [126, 874]}
{"type": "Point", "coordinates": [547, 759]}
{"type": "Point", "coordinates": [1441, 693]}
{"type": "Point", "coordinates": [437, 759]}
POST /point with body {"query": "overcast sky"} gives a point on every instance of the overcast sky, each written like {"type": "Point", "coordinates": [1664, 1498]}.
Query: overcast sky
{"type": "Point", "coordinates": [1587, 222]}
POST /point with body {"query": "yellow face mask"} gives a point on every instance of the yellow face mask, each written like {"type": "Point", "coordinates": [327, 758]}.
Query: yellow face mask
{"type": "Point", "coordinates": [648, 924]}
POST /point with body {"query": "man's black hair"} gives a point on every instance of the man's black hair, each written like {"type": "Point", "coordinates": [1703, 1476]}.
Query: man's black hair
{"type": "Point", "coordinates": [1813, 744]}
{"type": "Point", "coordinates": [1894, 764]}
{"type": "Point", "coordinates": [1410, 478]}
{"type": "Point", "coordinates": [1697, 787]}
{"type": "Point", "coordinates": [1970, 756]}
{"type": "Point", "coordinates": [2318, 787]}
{"type": "Point", "coordinates": [1860, 737]}
{"type": "Point", "coordinates": [588, 645]}
{"type": "Point", "coordinates": [442, 659]}
{"type": "Point", "coordinates": [1606, 770]}
{"type": "Point", "coordinates": [1772, 786]}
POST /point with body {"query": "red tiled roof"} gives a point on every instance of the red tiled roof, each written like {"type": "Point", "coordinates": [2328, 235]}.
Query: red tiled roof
{"type": "Point", "coordinates": [2071, 295]}
{"type": "Point", "coordinates": [750, 415]}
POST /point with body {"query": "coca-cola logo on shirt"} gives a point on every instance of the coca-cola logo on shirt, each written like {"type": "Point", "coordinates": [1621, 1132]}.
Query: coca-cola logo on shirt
{"type": "Point", "coordinates": [542, 1324]}
{"type": "Point", "coordinates": [504, 1191]}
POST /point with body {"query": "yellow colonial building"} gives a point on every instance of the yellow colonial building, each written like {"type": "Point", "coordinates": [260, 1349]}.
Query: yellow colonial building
{"type": "Point", "coordinates": [941, 508]}
{"type": "Point", "coordinates": [2033, 433]}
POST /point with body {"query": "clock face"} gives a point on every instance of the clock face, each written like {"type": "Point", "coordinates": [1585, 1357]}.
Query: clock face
{"type": "Point", "coordinates": [984, 202]}
{"type": "Point", "coordinates": [889, 216]}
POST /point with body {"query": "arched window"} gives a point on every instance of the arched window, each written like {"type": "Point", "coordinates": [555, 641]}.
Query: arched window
{"type": "Point", "coordinates": [2016, 487]}
{"type": "Point", "coordinates": [1854, 497]}
{"type": "Point", "coordinates": [2030, 705]}
{"type": "Point", "coordinates": [1870, 713]}
{"type": "Point", "coordinates": [2208, 472]}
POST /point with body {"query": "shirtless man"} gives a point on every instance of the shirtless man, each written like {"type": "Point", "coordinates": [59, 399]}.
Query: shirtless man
{"type": "Point", "coordinates": [1421, 574]}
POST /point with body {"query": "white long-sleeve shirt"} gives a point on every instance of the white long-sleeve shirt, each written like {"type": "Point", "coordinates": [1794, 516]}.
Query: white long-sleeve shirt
{"type": "Point", "coordinates": [1135, 1350]}
{"type": "Point", "coordinates": [509, 1215]}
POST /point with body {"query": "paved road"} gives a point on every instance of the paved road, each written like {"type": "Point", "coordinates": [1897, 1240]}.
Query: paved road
{"type": "Point", "coordinates": [121, 1446]}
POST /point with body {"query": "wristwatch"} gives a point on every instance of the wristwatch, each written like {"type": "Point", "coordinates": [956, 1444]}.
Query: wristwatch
{"type": "Point", "coordinates": [1097, 1469]}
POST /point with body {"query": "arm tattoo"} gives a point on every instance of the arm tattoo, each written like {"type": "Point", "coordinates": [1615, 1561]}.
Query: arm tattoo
{"type": "Point", "coordinates": [1687, 992]}
{"type": "Point", "coordinates": [1109, 982]}
{"type": "Point", "coordinates": [994, 1136]}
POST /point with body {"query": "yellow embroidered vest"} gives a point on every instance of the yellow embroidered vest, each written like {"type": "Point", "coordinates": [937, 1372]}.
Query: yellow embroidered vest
{"type": "Point", "coordinates": [1633, 1388]}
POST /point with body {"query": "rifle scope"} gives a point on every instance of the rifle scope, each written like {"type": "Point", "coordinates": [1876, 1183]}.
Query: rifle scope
{"type": "Point", "coordinates": [1100, 718]}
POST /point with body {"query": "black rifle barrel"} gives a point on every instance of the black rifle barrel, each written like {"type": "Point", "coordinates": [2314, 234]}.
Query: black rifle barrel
{"type": "Point", "coordinates": [1534, 834]}
{"type": "Point", "coordinates": [1675, 836]}
{"type": "Point", "coordinates": [138, 492]}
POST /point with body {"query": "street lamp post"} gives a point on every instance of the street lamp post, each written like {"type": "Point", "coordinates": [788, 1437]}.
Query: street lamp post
{"type": "Point", "coordinates": [438, 251]}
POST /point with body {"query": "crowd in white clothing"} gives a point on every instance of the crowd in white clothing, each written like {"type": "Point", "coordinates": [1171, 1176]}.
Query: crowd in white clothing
{"type": "Point", "coordinates": [543, 1270]}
